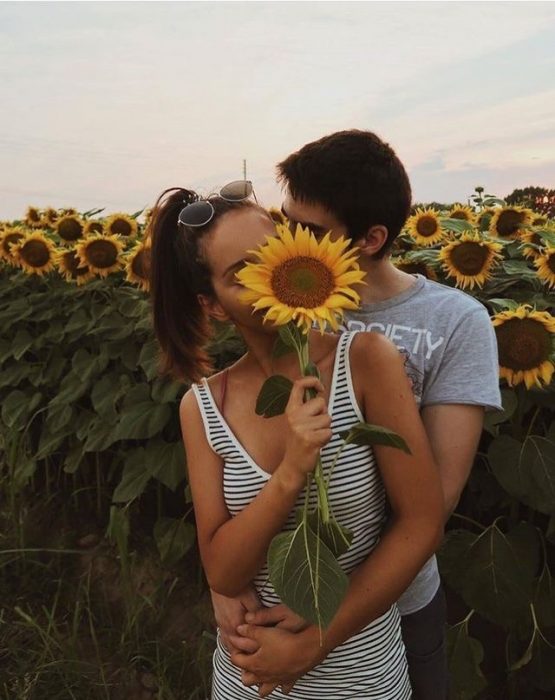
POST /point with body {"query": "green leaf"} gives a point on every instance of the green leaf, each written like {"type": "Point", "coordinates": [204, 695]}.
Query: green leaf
{"type": "Point", "coordinates": [306, 575]}
{"type": "Point", "coordinates": [18, 406]}
{"type": "Point", "coordinates": [452, 557]}
{"type": "Point", "coordinates": [58, 417]}
{"type": "Point", "coordinates": [273, 397]}
{"type": "Point", "coordinates": [465, 655]}
{"type": "Point", "coordinates": [165, 461]}
{"type": "Point", "coordinates": [166, 391]}
{"type": "Point", "coordinates": [544, 598]}
{"type": "Point", "coordinates": [22, 342]}
{"type": "Point", "coordinates": [519, 268]}
{"type": "Point", "coordinates": [173, 538]}
{"type": "Point", "coordinates": [366, 434]}
{"type": "Point", "coordinates": [336, 537]}
{"type": "Point", "coordinates": [526, 471]}
{"type": "Point", "coordinates": [496, 584]}
{"type": "Point", "coordinates": [134, 478]}
{"type": "Point", "coordinates": [281, 348]}
{"type": "Point", "coordinates": [118, 528]}
{"type": "Point", "coordinates": [456, 225]}
{"type": "Point", "coordinates": [311, 370]}
{"type": "Point", "coordinates": [142, 420]}
{"type": "Point", "coordinates": [73, 459]}
{"type": "Point", "coordinates": [494, 418]}
{"type": "Point", "coordinates": [100, 435]}
{"type": "Point", "coordinates": [292, 336]}
{"type": "Point", "coordinates": [24, 470]}
{"type": "Point", "coordinates": [71, 389]}
{"type": "Point", "coordinates": [148, 359]}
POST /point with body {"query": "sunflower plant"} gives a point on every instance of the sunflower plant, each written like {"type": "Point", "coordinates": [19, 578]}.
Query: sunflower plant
{"type": "Point", "coordinates": [302, 283]}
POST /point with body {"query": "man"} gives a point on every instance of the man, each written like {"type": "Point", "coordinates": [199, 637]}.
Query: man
{"type": "Point", "coordinates": [353, 184]}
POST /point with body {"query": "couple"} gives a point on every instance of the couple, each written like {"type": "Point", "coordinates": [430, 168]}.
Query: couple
{"type": "Point", "coordinates": [247, 473]}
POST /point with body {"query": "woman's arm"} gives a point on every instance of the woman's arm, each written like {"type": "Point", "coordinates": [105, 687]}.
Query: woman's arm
{"type": "Point", "coordinates": [413, 534]}
{"type": "Point", "coordinates": [234, 549]}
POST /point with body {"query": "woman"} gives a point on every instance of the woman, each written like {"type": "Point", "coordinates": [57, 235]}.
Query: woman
{"type": "Point", "coordinates": [248, 473]}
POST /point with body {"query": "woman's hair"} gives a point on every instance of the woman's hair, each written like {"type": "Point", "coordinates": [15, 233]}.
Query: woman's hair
{"type": "Point", "coordinates": [179, 272]}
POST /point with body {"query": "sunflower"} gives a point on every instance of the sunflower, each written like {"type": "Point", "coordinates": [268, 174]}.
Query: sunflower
{"type": "Point", "coordinates": [93, 226]}
{"type": "Point", "coordinates": [8, 238]}
{"type": "Point", "coordinates": [33, 217]}
{"type": "Point", "coordinates": [424, 227]}
{"type": "Point", "coordinates": [69, 227]}
{"type": "Point", "coordinates": [546, 266]}
{"type": "Point", "coordinates": [483, 219]}
{"type": "Point", "coordinates": [301, 279]}
{"type": "Point", "coordinates": [277, 215]}
{"type": "Point", "coordinates": [49, 217]}
{"type": "Point", "coordinates": [539, 220]}
{"type": "Point", "coordinates": [525, 343]}
{"type": "Point", "coordinates": [470, 260]}
{"type": "Point", "coordinates": [121, 225]}
{"type": "Point", "coordinates": [415, 267]}
{"type": "Point", "coordinates": [34, 253]}
{"type": "Point", "coordinates": [101, 254]}
{"type": "Point", "coordinates": [458, 211]}
{"type": "Point", "coordinates": [69, 266]}
{"type": "Point", "coordinates": [137, 266]}
{"type": "Point", "coordinates": [533, 243]}
{"type": "Point", "coordinates": [510, 222]}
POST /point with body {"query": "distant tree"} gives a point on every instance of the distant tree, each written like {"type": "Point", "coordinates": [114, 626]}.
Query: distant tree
{"type": "Point", "coordinates": [539, 199]}
{"type": "Point", "coordinates": [436, 206]}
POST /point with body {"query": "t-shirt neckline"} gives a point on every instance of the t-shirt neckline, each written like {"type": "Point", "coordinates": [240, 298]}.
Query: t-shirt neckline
{"type": "Point", "coordinates": [414, 288]}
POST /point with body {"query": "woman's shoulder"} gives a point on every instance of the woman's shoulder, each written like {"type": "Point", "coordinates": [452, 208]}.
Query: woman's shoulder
{"type": "Point", "coordinates": [370, 349]}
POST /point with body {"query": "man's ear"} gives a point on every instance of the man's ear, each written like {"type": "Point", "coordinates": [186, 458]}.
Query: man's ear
{"type": "Point", "coordinates": [212, 307]}
{"type": "Point", "coordinates": [372, 241]}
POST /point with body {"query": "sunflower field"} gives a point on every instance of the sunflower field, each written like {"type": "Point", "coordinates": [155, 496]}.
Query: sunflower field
{"type": "Point", "coordinates": [101, 587]}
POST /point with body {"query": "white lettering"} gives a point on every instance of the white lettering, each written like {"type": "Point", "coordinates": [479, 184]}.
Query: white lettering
{"type": "Point", "coordinates": [394, 334]}
{"type": "Point", "coordinates": [432, 346]}
{"type": "Point", "coordinates": [371, 327]}
{"type": "Point", "coordinates": [419, 333]}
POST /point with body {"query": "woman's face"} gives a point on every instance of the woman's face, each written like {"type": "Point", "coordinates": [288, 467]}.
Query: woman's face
{"type": "Point", "coordinates": [227, 250]}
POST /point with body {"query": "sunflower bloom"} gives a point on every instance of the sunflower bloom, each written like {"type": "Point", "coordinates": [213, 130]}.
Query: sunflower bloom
{"type": "Point", "coordinates": [33, 217]}
{"type": "Point", "coordinates": [301, 279]}
{"type": "Point", "coordinates": [415, 267]}
{"type": "Point", "coordinates": [8, 238]}
{"type": "Point", "coordinates": [525, 340]}
{"type": "Point", "coordinates": [424, 227]}
{"type": "Point", "coordinates": [69, 227]}
{"type": "Point", "coordinates": [137, 267]}
{"type": "Point", "coordinates": [70, 268]}
{"type": "Point", "coordinates": [469, 260]}
{"type": "Point", "coordinates": [92, 227]}
{"type": "Point", "coordinates": [121, 225]}
{"type": "Point", "coordinates": [532, 244]}
{"type": "Point", "coordinates": [545, 265]}
{"type": "Point", "coordinates": [277, 215]}
{"type": "Point", "coordinates": [458, 211]}
{"type": "Point", "coordinates": [50, 217]}
{"type": "Point", "coordinates": [510, 222]}
{"type": "Point", "coordinates": [34, 253]}
{"type": "Point", "coordinates": [101, 254]}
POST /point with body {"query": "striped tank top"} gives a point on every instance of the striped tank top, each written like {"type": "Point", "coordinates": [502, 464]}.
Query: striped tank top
{"type": "Point", "coordinates": [372, 664]}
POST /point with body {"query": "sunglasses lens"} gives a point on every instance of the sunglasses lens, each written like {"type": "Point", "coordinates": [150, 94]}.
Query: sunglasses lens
{"type": "Point", "coordinates": [236, 191]}
{"type": "Point", "coordinates": [196, 214]}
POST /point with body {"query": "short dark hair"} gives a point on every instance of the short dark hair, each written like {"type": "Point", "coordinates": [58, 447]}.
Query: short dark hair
{"type": "Point", "coordinates": [356, 176]}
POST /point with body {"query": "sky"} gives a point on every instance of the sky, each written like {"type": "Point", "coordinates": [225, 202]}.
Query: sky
{"type": "Point", "coordinates": [106, 104]}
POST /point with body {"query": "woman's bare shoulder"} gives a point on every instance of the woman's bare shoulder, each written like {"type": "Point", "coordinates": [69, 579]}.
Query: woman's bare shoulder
{"type": "Point", "coordinates": [373, 351]}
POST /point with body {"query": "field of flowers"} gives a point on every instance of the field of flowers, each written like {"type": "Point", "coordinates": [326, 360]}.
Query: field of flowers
{"type": "Point", "coordinates": [101, 592]}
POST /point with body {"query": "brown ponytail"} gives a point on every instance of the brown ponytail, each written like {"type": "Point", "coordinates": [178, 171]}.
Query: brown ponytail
{"type": "Point", "coordinates": [179, 274]}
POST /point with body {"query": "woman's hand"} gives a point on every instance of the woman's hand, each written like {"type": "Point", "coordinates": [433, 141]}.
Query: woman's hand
{"type": "Point", "coordinates": [309, 428]}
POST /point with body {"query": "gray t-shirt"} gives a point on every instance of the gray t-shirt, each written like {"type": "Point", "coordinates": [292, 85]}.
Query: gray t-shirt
{"type": "Point", "coordinates": [451, 357]}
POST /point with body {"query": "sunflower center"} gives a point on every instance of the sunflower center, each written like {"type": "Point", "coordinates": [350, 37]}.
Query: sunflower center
{"type": "Point", "coordinates": [9, 240]}
{"type": "Point", "coordinates": [95, 227]}
{"type": "Point", "coordinates": [509, 222]}
{"type": "Point", "coordinates": [70, 229]}
{"type": "Point", "coordinates": [35, 253]}
{"type": "Point", "coordinates": [427, 226]}
{"type": "Point", "coordinates": [302, 282]}
{"type": "Point", "coordinates": [34, 215]}
{"type": "Point", "coordinates": [141, 264]}
{"type": "Point", "coordinates": [469, 258]}
{"type": "Point", "coordinates": [459, 215]}
{"type": "Point", "coordinates": [523, 343]}
{"type": "Point", "coordinates": [101, 253]}
{"type": "Point", "coordinates": [121, 227]}
{"type": "Point", "coordinates": [73, 265]}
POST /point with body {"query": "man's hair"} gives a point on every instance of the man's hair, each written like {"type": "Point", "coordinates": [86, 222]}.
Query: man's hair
{"type": "Point", "coordinates": [356, 176]}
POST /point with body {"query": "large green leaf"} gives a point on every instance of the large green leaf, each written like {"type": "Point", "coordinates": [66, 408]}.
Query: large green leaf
{"type": "Point", "coordinates": [71, 389]}
{"type": "Point", "coordinates": [134, 478]}
{"type": "Point", "coordinates": [465, 655]}
{"type": "Point", "coordinates": [166, 391]}
{"type": "Point", "coordinates": [173, 538]}
{"type": "Point", "coordinates": [336, 537]}
{"type": "Point", "coordinates": [274, 395]}
{"type": "Point", "coordinates": [496, 583]}
{"type": "Point", "coordinates": [366, 434]}
{"type": "Point", "coordinates": [142, 420]}
{"type": "Point", "coordinates": [306, 575]}
{"type": "Point", "coordinates": [18, 406]}
{"type": "Point", "coordinates": [544, 598]}
{"type": "Point", "coordinates": [165, 461]}
{"type": "Point", "coordinates": [526, 470]}
{"type": "Point", "coordinates": [22, 342]}
{"type": "Point", "coordinates": [452, 556]}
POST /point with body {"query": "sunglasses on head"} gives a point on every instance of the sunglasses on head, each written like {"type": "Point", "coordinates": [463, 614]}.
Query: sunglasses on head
{"type": "Point", "coordinates": [201, 212]}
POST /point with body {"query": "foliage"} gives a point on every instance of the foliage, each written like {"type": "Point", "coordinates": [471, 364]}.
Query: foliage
{"type": "Point", "coordinates": [541, 199]}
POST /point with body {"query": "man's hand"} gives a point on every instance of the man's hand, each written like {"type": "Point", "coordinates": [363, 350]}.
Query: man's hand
{"type": "Point", "coordinates": [230, 613]}
{"type": "Point", "coordinates": [277, 616]}
{"type": "Point", "coordinates": [282, 657]}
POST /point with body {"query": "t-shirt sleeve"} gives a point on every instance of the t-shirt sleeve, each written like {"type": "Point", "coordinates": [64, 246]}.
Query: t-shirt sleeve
{"type": "Point", "coordinates": [468, 372]}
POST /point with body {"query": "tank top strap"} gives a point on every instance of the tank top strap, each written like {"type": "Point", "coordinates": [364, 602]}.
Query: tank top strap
{"type": "Point", "coordinates": [342, 386]}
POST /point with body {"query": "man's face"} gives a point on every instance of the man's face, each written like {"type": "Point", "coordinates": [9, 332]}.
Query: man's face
{"type": "Point", "coordinates": [314, 216]}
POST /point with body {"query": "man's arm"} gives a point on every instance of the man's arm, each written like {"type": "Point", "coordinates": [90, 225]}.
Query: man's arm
{"type": "Point", "coordinates": [454, 432]}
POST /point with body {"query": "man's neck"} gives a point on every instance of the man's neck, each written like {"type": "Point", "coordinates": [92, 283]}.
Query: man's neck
{"type": "Point", "coordinates": [383, 281]}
